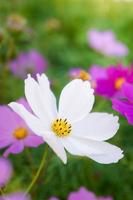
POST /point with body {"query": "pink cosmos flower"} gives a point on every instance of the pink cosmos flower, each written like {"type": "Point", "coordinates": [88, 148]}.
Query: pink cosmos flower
{"type": "Point", "coordinates": [125, 106]}
{"type": "Point", "coordinates": [83, 194]}
{"type": "Point", "coordinates": [5, 171]}
{"type": "Point", "coordinates": [106, 43]}
{"type": "Point", "coordinates": [30, 62]}
{"type": "Point", "coordinates": [107, 82]}
{"type": "Point", "coordinates": [16, 196]}
{"type": "Point", "coordinates": [14, 133]}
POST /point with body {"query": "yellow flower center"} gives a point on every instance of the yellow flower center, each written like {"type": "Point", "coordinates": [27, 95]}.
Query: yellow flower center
{"type": "Point", "coordinates": [61, 127]}
{"type": "Point", "coordinates": [84, 75]}
{"type": "Point", "coordinates": [20, 133]}
{"type": "Point", "coordinates": [119, 82]}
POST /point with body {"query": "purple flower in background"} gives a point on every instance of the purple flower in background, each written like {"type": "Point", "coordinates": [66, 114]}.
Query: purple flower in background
{"type": "Point", "coordinates": [14, 133]}
{"type": "Point", "coordinates": [79, 73]}
{"type": "Point", "coordinates": [28, 62]}
{"type": "Point", "coordinates": [106, 43]}
{"type": "Point", "coordinates": [84, 194]}
{"type": "Point", "coordinates": [5, 171]}
{"type": "Point", "coordinates": [107, 82]}
{"type": "Point", "coordinates": [125, 105]}
{"type": "Point", "coordinates": [16, 196]}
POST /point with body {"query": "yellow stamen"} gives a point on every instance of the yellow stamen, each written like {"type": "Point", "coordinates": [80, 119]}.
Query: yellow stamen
{"type": "Point", "coordinates": [119, 82]}
{"type": "Point", "coordinates": [61, 127]}
{"type": "Point", "coordinates": [20, 133]}
{"type": "Point", "coordinates": [84, 75]}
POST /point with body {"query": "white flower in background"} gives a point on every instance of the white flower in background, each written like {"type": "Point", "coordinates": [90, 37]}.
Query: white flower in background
{"type": "Point", "coordinates": [72, 127]}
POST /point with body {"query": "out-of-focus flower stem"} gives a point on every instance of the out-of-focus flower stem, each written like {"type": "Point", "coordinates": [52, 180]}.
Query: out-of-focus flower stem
{"type": "Point", "coordinates": [1, 191]}
{"type": "Point", "coordinates": [42, 163]}
{"type": "Point", "coordinates": [30, 160]}
{"type": "Point", "coordinates": [3, 83]}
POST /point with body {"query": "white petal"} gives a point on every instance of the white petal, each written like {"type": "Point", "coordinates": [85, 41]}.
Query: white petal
{"type": "Point", "coordinates": [101, 152]}
{"type": "Point", "coordinates": [33, 122]}
{"type": "Point", "coordinates": [76, 100]}
{"type": "Point", "coordinates": [36, 126]}
{"type": "Point", "coordinates": [39, 100]}
{"type": "Point", "coordinates": [97, 126]}
{"type": "Point", "coordinates": [77, 146]}
{"type": "Point", "coordinates": [47, 93]}
{"type": "Point", "coordinates": [55, 143]}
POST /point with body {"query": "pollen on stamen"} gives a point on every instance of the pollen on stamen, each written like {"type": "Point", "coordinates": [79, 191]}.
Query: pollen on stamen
{"type": "Point", "coordinates": [61, 127]}
{"type": "Point", "coordinates": [119, 82]}
{"type": "Point", "coordinates": [85, 76]}
{"type": "Point", "coordinates": [20, 133]}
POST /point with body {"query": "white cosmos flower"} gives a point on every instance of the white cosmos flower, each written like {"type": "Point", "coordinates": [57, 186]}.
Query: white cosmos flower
{"type": "Point", "coordinates": [72, 126]}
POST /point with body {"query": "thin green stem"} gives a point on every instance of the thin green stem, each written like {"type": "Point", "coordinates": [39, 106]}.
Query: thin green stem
{"type": "Point", "coordinates": [1, 191]}
{"type": "Point", "coordinates": [30, 160]}
{"type": "Point", "coordinates": [38, 172]}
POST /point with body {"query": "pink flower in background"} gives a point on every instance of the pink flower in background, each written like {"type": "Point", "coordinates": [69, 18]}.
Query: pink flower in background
{"type": "Point", "coordinates": [28, 62]}
{"type": "Point", "coordinates": [108, 81]}
{"type": "Point", "coordinates": [125, 106]}
{"type": "Point", "coordinates": [84, 194]}
{"type": "Point", "coordinates": [106, 43]}
{"type": "Point", "coordinates": [79, 73]}
{"type": "Point", "coordinates": [14, 133]}
{"type": "Point", "coordinates": [5, 171]}
{"type": "Point", "coordinates": [16, 196]}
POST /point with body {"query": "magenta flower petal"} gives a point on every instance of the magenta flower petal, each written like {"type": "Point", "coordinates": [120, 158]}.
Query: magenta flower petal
{"type": "Point", "coordinates": [114, 72]}
{"type": "Point", "coordinates": [127, 89]}
{"type": "Point", "coordinates": [129, 117]}
{"type": "Point", "coordinates": [31, 62]}
{"type": "Point", "coordinates": [5, 171]}
{"type": "Point", "coordinates": [16, 196]}
{"type": "Point", "coordinates": [24, 103]}
{"type": "Point", "coordinates": [74, 72]}
{"type": "Point", "coordinates": [4, 142]}
{"type": "Point", "coordinates": [122, 106]}
{"type": "Point", "coordinates": [125, 106]}
{"type": "Point", "coordinates": [33, 141]}
{"type": "Point", "coordinates": [15, 148]}
{"type": "Point", "coordinates": [98, 72]}
{"type": "Point", "coordinates": [5, 115]}
{"type": "Point", "coordinates": [105, 88]}
{"type": "Point", "coordinates": [84, 194]}
{"type": "Point", "coordinates": [14, 132]}
{"type": "Point", "coordinates": [81, 194]}
{"type": "Point", "coordinates": [108, 82]}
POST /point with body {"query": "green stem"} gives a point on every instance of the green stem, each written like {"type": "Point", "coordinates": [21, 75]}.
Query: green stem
{"type": "Point", "coordinates": [1, 191]}
{"type": "Point", "coordinates": [38, 172]}
{"type": "Point", "coordinates": [30, 160]}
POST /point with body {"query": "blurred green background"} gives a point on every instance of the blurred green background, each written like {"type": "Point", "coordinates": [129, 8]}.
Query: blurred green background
{"type": "Point", "coordinates": [60, 33]}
